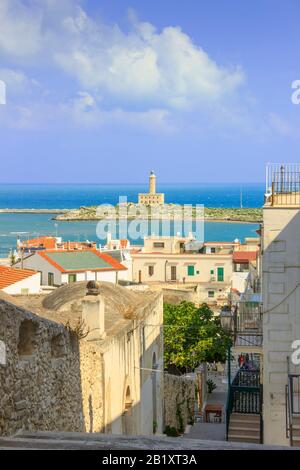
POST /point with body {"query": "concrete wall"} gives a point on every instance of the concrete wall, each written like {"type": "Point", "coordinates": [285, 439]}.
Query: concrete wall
{"type": "Point", "coordinates": [109, 276]}
{"type": "Point", "coordinates": [179, 400]}
{"type": "Point", "coordinates": [281, 300]}
{"type": "Point", "coordinates": [32, 284]}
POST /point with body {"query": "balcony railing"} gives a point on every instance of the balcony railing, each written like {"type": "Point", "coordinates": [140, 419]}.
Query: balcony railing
{"type": "Point", "coordinates": [248, 318]}
{"type": "Point", "coordinates": [292, 404]}
{"type": "Point", "coordinates": [283, 184]}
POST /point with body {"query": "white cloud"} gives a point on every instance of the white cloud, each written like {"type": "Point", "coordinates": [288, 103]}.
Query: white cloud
{"type": "Point", "coordinates": [147, 66]}
{"type": "Point", "coordinates": [142, 68]}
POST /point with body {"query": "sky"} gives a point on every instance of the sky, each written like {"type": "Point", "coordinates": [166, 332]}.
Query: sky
{"type": "Point", "coordinates": [103, 91]}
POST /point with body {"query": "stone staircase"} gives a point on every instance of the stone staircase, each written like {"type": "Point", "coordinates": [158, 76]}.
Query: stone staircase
{"type": "Point", "coordinates": [244, 428]}
{"type": "Point", "coordinates": [295, 440]}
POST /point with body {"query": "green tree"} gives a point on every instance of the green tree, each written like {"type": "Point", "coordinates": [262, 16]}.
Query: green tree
{"type": "Point", "coordinates": [192, 335]}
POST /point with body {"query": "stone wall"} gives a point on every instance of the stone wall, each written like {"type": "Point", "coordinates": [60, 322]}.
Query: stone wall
{"type": "Point", "coordinates": [179, 394]}
{"type": "Point", "coordinates": [49, 380]}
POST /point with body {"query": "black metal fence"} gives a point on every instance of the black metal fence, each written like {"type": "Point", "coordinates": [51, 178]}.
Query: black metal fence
{"type": "Point", "coordinates": [245, 396]}
{"type": "Point", "coordinates": [283, 184]}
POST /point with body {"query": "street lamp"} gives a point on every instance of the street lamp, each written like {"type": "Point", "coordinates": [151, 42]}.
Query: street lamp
{"type": "Point", "coordinates": [226, 318]}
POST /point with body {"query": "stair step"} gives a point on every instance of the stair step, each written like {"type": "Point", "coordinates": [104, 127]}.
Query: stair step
{"type": "Point", "coordinates": [245, 417]}
{"type": "Point", "coordinates": [296, 419]}
{"type": "Point", "coordinates": [243, 423]}
{"type": "Point", "coordinates": [244, 432]}
{"type": "Point", "coordinates": [296, 431]}
{"type": "Point", "coordinates": [246, 438]}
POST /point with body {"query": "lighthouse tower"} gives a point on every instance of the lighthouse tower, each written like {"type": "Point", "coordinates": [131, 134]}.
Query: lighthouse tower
{"type": "Point", "coordinates": [152, 183]}
{"type": "Point", "coordinates": [152, 198]}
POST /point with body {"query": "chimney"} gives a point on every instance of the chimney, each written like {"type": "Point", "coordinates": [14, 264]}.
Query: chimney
{"type": "Point", "coordinates": [93, 313]}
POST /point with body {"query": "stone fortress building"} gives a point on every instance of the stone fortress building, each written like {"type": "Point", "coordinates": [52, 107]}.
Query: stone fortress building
{"type": "Point", "coordinates": [152, 198]}
{"type": "Point", "coordinates": [83, 360]}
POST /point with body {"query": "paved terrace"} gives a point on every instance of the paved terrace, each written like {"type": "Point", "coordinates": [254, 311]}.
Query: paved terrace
{"type": "Point", "coordinates": [85, 441]}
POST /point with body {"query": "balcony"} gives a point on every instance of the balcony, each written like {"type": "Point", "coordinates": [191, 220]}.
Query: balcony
{"type": "Point", "coordinates": [282, 185]}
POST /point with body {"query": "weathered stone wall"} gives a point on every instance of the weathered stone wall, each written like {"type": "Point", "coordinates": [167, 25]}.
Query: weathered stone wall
{"type": "Point", "coordinates": [48, 379]}
{"type": "Point", "coordinates": [179, 394]}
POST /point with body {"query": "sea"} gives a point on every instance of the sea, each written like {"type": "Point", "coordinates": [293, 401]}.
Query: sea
{"type": "Point", "coordinates": [70, 196]}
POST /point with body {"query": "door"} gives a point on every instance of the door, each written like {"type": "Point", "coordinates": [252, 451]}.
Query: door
{"type": "Point", "coordinates": [50, 279]}
{"type": "Point", "coordinates": [173, 273]}
{"type": "Point", "coordinates": [72, 278]}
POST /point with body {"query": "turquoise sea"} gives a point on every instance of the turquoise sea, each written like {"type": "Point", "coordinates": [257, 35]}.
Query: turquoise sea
{"type": "Point", "coordinates": [71, 196]}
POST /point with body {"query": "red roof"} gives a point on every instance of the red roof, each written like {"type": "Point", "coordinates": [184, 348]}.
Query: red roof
{"type": "Point", "coordinates": [244, 256]}
{"type": "Point", "coordinates": [9, 276]}
{"type": "Point", "coordinates": [49, 243]}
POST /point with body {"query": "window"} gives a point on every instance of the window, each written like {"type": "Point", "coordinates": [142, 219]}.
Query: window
{"type": "Point", "coordinates": [72, 278]}
{"type": "Point", "coordinates": [213, 249]}
{"type": "Point", "coordinates": [212, 272]}
{"type": "Point", "coordinates": [158, 245]}
{"type": "Point", "coordinates": [191, 270]}
{"type": "Point", "coordinates": [27, 338]}
{"type": "Point", "coordinates": [50, 279]}
{"type": "Point", "coordinates": [211, 294]}
{"type": "Point", "coordinates": [220, 274]}
{"type": "Point", "coordinates": [150, 270]}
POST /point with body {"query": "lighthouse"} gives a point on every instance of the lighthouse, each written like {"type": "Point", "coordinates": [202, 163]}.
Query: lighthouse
{"type": "Point", "coordinates": [152, 198]}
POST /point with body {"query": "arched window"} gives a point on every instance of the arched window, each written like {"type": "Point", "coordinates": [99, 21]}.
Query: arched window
{"type": "Point", "coordinates": [127, 424]}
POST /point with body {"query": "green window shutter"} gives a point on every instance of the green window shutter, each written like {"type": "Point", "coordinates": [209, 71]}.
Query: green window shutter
{"type": "Point", "coordinates": [212, 272]}
{"type": "Point", "coordinates": [191, 270]}
{"type": "Point", "coordinates": [220, 274]}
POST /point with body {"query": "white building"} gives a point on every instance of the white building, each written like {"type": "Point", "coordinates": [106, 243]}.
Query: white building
{"type": "Point", "coordinates": [15, 281]}
{"type": "Point", "coordinates": [281, 304]}
{"type": "Point", "coordinates": [58, 267]}
{"type": "Point", "coordinates": [215, 267]}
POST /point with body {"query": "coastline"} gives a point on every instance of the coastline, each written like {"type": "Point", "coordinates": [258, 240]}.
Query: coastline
{"type": "Point", "coordinates": [250, 215]}
{"type": "Point", "coordinates": [34, 211]}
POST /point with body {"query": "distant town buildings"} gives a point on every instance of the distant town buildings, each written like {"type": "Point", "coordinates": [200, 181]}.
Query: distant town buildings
{"type": "Point", "coordinates": [58, 267]}
{"type": "Point", "coordinates": [152, 198]}
{"type": "Point", "coordinates": [214, 267]}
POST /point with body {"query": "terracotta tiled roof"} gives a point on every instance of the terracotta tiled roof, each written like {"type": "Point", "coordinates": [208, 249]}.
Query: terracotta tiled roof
{"type": "Point", "coordinates": [49, 243]}
{"type": "Point", "coordinates": [81, 261]}
{"type": "Point", "coordinates": [244, 256]}
{"type": "Point", "coordinates": [9, 276]}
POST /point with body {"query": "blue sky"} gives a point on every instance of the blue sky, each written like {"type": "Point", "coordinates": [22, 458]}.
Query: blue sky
{"type": "Point", "coordinates": [106, 90]}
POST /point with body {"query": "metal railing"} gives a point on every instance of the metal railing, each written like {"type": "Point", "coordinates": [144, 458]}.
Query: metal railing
{"type": "Point", "coordinates": [292, 403]}
{"type": "Point", "coordinates": [248, 318]}
{"type": "Point", "coordinates": [283, 184]}
{"type": "Point", "coordinates": [245, 396]}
